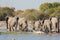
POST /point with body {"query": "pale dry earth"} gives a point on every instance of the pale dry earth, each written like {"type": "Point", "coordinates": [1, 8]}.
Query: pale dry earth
{"type": "Point", "coordinates": [2, 25]}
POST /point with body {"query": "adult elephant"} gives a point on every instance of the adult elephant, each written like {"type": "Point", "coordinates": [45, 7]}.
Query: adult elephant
{"type": "Point", "coordinates": [30, 26]}
{"type": "Point", "coordinates": [41, 25]}
{"type": "Point", "coordinates": [12, 23]}
{"type": "Point", "coordinates": [22, 24]}
{"type": "Point", "coordinates": [38, 25]}
{"type": "Point", "coordinates": [47, 25]}
{"type": "Point", "coordinates": [54, 21]}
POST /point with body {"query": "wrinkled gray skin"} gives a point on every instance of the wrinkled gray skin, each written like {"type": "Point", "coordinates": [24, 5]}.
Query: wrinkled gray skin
{"type": "Point", "coordinates": [22, 24]}
{"type": "Point", "coordinates": [30, 26]}
{"type": "Point", "coordinates": [11, 23]}
{"type": "Point", "coordinates": [46, 25]}
{"type": "Point", "coordinates": [54, 21]}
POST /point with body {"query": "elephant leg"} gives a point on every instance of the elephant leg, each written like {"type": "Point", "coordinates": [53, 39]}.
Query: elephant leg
{"type": "Point", "coordinates": [53, 27]}
{"type": "Point", "coordinates": [43, 28]}
{"type": "Point", "coordinates": [36, 29]}
{"type": "Point", "coordinates": [15, 27]}
{"type": "Point", "coordinates": [25, 29]}
{"type": "Point", "coordinates": [12, 29]}
{"type": "Point", "coordinates": [56, 27]}
{"type": "Point", "coordinates": [19, 27]}
{"type": "Point", "coordinates": [46, 29]}
{"type": "Point", "coordinates": [49, 28]}
{"type": "Point", "coordinates": [9, 27]}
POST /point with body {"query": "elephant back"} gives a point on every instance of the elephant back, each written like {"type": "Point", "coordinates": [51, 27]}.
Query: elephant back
{"type": "Point", "coordinates": [22, 20]}
{"type": "Point", "coordinates": [11, 21]}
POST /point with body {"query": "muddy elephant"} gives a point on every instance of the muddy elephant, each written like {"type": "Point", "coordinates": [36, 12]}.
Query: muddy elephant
{"type": "Point", "coordinates": [12, 23]}
{"type": "Point", "coordinates": [22, 24]}
{"type": "Point", "coordinates": [47, 25]}
{"type": "Point", "coordinates": [54, 21]}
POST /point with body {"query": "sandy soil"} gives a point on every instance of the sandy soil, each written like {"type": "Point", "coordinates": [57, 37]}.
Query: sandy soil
{"type": "Point", "coordinates": [2, 25]}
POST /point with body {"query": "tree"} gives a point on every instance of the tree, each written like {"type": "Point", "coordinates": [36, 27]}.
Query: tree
{"type": "Point", "coordinates": [55, 4]}
{"type": "Point", "coordinates": [31, 14]}
{"type": "Point", "coordinates": [43, 16]}
{"type": "Point", "coordinates": [50, 11]}
{"type": "Point", "coordinates": [18, 12]}
{"type": "Point", "coordinates": [45, 6]}
{"type": "Point", "coordinates": [5, 11]}
{"type": "Point", "coordinates": [53, 9]}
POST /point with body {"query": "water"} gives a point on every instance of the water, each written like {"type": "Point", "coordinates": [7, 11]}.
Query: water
{"type": "Point", "coordinates": [30, 37]}
{"type": "Point", "coordinates": [3, 30]}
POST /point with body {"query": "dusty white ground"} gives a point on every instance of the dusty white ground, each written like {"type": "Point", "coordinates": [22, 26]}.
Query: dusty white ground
{"type": "Point", "coordinates": [2, 25]}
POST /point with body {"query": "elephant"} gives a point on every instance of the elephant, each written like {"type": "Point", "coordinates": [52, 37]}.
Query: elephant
{"type": "Point", "coordinates": [58, 25]}
{"type": "Point", "coordinates": [22, 24]}
{"type": "Point", "coordinates": [30, 26]}
{"type": "Point", "coordinates": [41, 25]}
{"type": "Point", "coordinates": [47, 25]}
{"type": "Point", "coordinates": [12, 23]}
{"type": "Point", "coordinates": [54, 21]}
{"type": "Point", "coordinates": [38, 25]}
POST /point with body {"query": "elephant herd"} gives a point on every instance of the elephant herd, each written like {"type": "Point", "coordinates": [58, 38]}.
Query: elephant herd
{"type": "Point", "coordinates": [22, 24]}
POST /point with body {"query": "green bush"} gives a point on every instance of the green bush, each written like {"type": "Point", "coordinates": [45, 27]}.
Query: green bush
{"type": "Point", "coordinates": [43, 16]}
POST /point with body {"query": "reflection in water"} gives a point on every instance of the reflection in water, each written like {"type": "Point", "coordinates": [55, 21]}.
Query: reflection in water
{"type": "Point", "coordinates": [30, 37]}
